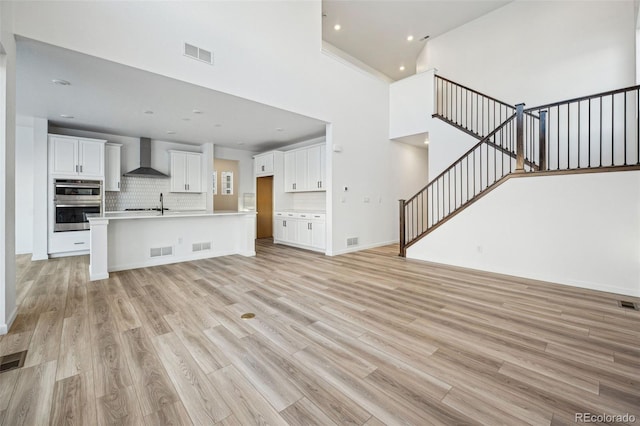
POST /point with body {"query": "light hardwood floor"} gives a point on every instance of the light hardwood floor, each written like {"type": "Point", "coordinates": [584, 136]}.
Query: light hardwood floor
{"type": "Point", "coordinates": [364, 338]}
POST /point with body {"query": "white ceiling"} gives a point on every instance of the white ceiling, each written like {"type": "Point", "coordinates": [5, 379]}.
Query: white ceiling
{"type": "Point", "coordinates": [375, 32]}
{"type": "Point", "coordinates": [111, 98]}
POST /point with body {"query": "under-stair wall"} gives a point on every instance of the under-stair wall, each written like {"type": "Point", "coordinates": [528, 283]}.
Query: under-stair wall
{"type": "Point", "coordinates": [581, 230]}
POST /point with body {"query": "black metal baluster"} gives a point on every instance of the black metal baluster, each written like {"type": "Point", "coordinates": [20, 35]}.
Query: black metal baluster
{"type": "Point", "coordinates": [558, 144]}
{"type": "Point", "coordinates": [589, 144]}
{"type": "Point", "coordinates": [625, 128]}
{"type": "Point", "coordinates": [568, 136]}
{"type": "Point", "coordinates": [612, 127]}
{"type": "Point", "coordinates": [600, 131]}
{"type": "Point", "coordinates": [579, 141]}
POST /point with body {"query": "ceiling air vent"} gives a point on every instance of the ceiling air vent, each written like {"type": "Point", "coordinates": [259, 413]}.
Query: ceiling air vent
{"type": "Point", "coordinates": [198, 53]}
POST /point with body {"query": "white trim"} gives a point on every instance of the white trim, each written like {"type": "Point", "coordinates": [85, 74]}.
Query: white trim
{"type": "Point", "coordinates": [166, 260]}
{"type": "Point", "coordinates": [4, 328]}
{"type": "Point", "coordinates": [98, 277]}
{"type": "Point", "coordinates": [359, 248]}
{"type": "Point", "coordinates": [302, 246]}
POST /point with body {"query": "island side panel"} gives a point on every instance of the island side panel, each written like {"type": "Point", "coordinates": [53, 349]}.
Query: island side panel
{"type": "Point", "coordinates": [136, 243]}
{"type": "Point", "coordinates": [98, 260]}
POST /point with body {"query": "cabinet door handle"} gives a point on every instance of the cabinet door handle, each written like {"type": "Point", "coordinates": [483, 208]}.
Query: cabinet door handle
{"type": "Point", "coordinates": [284, 223]}
{"type": "Point", "coordinates": [81, 169]}
{"type": "Point", "coordinates": [76, 168]}
{"type": "Point", "coordinates": [78, 243]}
{"type": "Point", "coordinates": [118, 185]}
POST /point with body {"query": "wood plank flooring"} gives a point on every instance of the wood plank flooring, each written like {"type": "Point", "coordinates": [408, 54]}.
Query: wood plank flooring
{"type": "Point", "coordinates": [366, 338]}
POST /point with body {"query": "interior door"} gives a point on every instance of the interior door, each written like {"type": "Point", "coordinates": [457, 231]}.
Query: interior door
{"type": "Point", "coordinates": [264, 205]}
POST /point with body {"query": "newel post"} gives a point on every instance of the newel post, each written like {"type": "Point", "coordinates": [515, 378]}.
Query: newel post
{"type": "Point", "coordinates": [542, 141]}
{"type": "Point", "coordinates": [520, 138]}
{"type": "Point", "coordinates": [403, 250]}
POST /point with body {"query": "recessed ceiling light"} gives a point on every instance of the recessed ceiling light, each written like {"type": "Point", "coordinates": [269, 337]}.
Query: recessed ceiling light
{"type": "Point", "coordinates": [401, 67]}
{"type": "Point", "coordinates": [186, 119]}
{"type": "Point", "coordinates": [218, 125]}
{"type": "Point", "coordinates": [60, 82]}
{"type": "Point", "coordinates": [280, 129]}
{"type": "Point", "coordinates": [148, 112]}
{"type": "Point", "coordinates": [66, 116]}
{"type": "Point", "coordinates": [337, 27]}
{"type": "Point", "coordinates": [171, 132]}
{"type": "Point", "coordinates": [410, 38]}
{"type": "Point", "coordinates": [240, 143]}
{"type": "Point", "coordinates": [197, 111]}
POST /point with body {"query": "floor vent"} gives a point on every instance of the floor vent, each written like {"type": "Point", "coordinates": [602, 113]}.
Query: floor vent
{"type": "Point", "coordinates": [353, 241]}
{"type": "Point", "coordinates": [198, 53]}
{"type": "Point", "coordinates": [201, 246]}
{"type": "Point", "coordinates": [161, 251]}
{"type": "Point", "coordinates": [628, 305]}
{"type": "Point", "coordinates": [13, 361]}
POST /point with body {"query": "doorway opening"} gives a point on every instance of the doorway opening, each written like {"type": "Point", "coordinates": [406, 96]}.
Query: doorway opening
{"type": "Point", "coordinates": [264, 207]}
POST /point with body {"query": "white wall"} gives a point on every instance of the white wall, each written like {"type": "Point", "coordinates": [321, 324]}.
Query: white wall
{"type": "Point", "coordinates": [247, 184]}
{"type": "Point", "coordinates": [8, 308]}
{"type": "Point", "coordinates": [40, 179]}
{"type": "Point", "coordinates": [24, 189]}
{"type": "Point", "coordinates": [582, 230]}
{"type": "Point", "coordinates": [411, 106]}
{"type": "Point", "coordinates": [540, 51]}
{"type": "Point", "coordinates": [268, 52]}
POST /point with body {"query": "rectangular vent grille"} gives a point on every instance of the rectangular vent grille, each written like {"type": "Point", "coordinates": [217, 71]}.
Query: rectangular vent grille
{"type": "Point", "coordinates": [353, 241]}
{"type": "Point", "coordinates": [628, 305]}
{"type": "Point", "coordinates": [198, 53]}
{"type": "Point", "coordinates": [201, 246]}
{"type": "Point", "coordinates": [161, 251]}
{"type": "Point", "coordinates": [12, 361]}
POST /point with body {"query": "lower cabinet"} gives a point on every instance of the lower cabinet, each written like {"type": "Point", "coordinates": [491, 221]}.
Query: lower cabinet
{"type": "Point", "coordinates": [305, 230]}
{"type": "Point", "coordinates": [68, 242]}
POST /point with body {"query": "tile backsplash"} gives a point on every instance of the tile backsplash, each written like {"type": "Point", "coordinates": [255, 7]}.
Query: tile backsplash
{"type": "Point", "coordinates": [142, 193]}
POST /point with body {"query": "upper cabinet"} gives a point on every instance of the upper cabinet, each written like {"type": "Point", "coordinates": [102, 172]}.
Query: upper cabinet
{"type": "Point", "coordinates": [263, 164]}
{"type": "Point", "coordinates": [186, 171]}
{"type": "Point", "coordinates": [304, 169]}
{"type": "Point", "coordinates": [76, 157]}
{"type": "Point", "coordinates": [112, 172]}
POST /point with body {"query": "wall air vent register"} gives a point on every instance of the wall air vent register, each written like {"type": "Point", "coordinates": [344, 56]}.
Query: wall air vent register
{"type": "Point", "coordinates": [198, 53]}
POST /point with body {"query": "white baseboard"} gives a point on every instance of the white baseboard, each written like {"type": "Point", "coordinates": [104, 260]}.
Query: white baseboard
{"type": "Point", "coordinates": [166, 260]}
{"type": "Point", "coordinates": [4, 328]}
{"type": "Point", "coordinates": [359, 248]}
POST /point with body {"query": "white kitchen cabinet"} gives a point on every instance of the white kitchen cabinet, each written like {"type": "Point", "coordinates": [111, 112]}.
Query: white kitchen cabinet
{"type": "Point", "coordinates": [76, 157]}
{"type": "Point", "coordinates": [316, 168]}
{"type": "Point", "coordinates": [112, 170]}
{"type": "Point", "coordinates": [300, 229]}
{"type": "Point", "coordinates": [186, 171]}
{"type": "Point", "coordinates": [68, 242]}
{"type": "Point", "coordinates": [304, 169]}
{"type": "Point", "coordinates": [264, 164]}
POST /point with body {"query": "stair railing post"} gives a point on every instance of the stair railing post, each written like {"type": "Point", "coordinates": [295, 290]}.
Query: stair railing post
{"type": "Point", "coordinates": [520, 138]}
{"type": "Point", "coordinates": [403, 250]}
{"type": "Point", "coordinates": [542, 141]}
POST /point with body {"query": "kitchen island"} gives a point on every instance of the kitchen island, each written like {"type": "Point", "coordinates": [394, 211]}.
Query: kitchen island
{"type": "Point", "coordinates": [129, 240]}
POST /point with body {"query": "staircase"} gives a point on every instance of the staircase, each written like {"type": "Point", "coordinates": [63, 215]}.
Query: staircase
{"type": "Point", "coordinates": [598, 132]}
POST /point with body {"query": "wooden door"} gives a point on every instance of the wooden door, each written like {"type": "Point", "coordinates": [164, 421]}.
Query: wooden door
{"type": "Point", "coordinates": [264, 206]}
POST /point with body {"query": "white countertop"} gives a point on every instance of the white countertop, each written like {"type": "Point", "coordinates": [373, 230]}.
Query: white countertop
{"type": "Point", "coordinates": [147, 214]}
{"type": "Point", "coordinates": [300, 211]}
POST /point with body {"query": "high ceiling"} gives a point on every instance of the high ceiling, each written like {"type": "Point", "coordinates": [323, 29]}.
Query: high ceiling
{"type": "Point", "coordinates": [107, 97]}
{"type": "Point", "coordinates": [111, 98]}
{"type": "Point", "coordinates": [375, 32]}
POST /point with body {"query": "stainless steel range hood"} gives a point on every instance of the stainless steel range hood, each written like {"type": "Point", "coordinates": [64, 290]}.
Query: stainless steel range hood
{"type": "Point", "coordinates": [145, 169]}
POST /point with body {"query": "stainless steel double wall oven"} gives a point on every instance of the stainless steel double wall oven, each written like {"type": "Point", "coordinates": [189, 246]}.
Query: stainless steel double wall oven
{"type": "Point", "coordinates": [73, 200]}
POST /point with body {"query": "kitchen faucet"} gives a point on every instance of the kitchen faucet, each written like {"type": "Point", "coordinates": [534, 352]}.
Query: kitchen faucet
{"type": "Point", "coordinates": [161, 205]}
